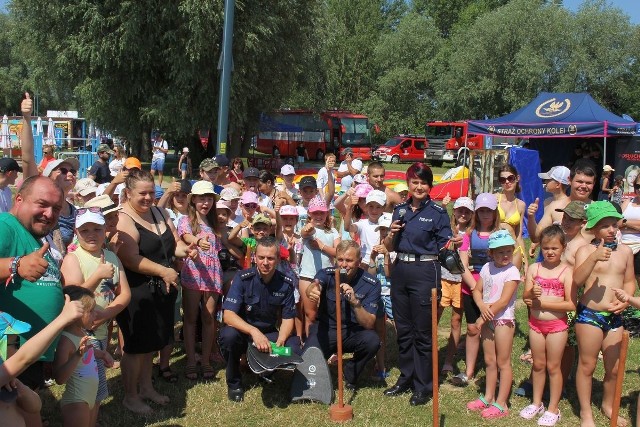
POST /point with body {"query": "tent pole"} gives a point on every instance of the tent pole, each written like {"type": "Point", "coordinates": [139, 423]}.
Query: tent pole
{"type": "Point", "coordinates": [604, 155]}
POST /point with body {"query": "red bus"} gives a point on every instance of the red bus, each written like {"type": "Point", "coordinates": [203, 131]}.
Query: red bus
{"type": "Point", "coordinates": [281, 132]}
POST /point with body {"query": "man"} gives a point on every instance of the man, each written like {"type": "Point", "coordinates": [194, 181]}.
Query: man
{"type": "Point", "coordinates": [9, 169]}
{"type": "Point", "coordinates": [160, 150]}
{"type": "Point", "coordinates": [555, 182]}
{"type": "Point", "coordinates": [100, 171]}
{"type": "Point", "coordinates": [33, 291]}
{"type": "Point", "coordinates": [375, 177]}
{"type": "Point", "coordinates": [47, 156]}
{"type": "Point", "coordinates": [360, 293]}
{"type": "Point", "coordinates": [251, 310]}
{"type": "Point", "coordinates": [348, 168]}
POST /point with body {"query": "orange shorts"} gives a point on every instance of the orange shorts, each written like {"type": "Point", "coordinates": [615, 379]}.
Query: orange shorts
{"type": "Point", "coordinates": [451, 294]}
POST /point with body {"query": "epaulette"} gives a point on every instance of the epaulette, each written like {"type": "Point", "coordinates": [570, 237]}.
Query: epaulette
{"type": "Point", "coordinates": [402, 204]}
{"type": "Point", "coordinates": [369, 278]}
{"type": "Point", "coordinates": [247, 274]}
{"type": "Point", "coordinates": [331, 269]}
{"type": "Point", "coordinates": [287, 279]}
{"type": "Point", "coordinates": [437, 207]}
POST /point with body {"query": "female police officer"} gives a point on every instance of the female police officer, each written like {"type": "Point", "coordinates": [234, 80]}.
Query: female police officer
{"type": "Point", "coordinates": [419, 230]}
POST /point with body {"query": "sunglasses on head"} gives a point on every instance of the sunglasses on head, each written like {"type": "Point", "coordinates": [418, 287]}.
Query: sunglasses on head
{"type": "Point", "coordinates": [505, 179]}
{"type": "Point", "coordinates": [65, 171]}
{"type": "Point", "coordinates": [93, 209]}
{"type": "Point", "coordinates": [251, 206]}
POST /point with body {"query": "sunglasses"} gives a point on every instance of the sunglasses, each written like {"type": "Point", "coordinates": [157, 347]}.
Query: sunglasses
{"type": "Point", "coordinates": [504, 179]}
{"type": "Point", "coordinates": [93, 209]}
{"type": "Point", "coordinates": [65, 171]}
{"type": "Point", "coordinates": [251, 206]}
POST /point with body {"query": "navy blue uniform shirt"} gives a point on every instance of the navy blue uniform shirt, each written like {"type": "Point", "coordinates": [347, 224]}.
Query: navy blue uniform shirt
{"type": "Point", "coordinates": [259, 303]}
{"type": "Point", "coordinates": [426, 230]}
{"type": "Point", "coordinates": [366, 288]}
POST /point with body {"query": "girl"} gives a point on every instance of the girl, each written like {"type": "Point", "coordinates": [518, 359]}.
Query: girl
{"type": "Point", "coordinates": [605, 183]}
{"type": "Point", "coordinates": [511, 210]}
{"type": "Point", "coordinates": [617, 190]}
{"type": "Point", "coordinates": [357, 206]}
{"type": "Point", "coordinates": [495, 295]}
{"type": "Point", "coordinates": [485, 221]}
{"type": "Point", "coordinates": [75, 363]}
{"type": "Point", "coordinates": [549, 288]}
{"type": "Point", "coordinates": [98, 270]}
{"type": "Point", "coordinates": [318, 250]}
{"type": "Point", "coordinates": [365, 229]}
{"type": "Point", "coordinates": [237, 168]}
{"type": "Point", "coordinates": [308, 191]}
{"type": "Point", "coordinates": [201, 277]}
{"type": "Point", "coordinates": [184, 164]}
{"type": "Point", "coordinates": [452, 283]}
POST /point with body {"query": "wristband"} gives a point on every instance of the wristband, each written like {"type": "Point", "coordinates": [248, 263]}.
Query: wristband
{"type": "Point", "coordinates": [198, 242]}
{"type": "Point", "coordinates": [15, 263]}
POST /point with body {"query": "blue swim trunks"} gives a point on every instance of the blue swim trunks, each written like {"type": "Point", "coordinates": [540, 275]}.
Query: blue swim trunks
{"type": "Point", "coordinates": [600, 319]}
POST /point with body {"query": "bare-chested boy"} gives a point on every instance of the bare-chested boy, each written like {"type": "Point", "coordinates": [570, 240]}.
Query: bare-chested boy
{"type": "Point", "coordinates": [601, 267]}
{"type": "Point", "coordinates": [574, 217]}
{"type": "Point", "coordinates": [555, 182]}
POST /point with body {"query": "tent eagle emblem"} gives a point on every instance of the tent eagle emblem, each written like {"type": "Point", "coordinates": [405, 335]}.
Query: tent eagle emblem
{"type": "Point", "coordinates": [553, 108]}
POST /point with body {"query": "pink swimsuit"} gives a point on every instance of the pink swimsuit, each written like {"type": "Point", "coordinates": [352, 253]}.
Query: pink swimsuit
{"type": "Point", "coordinates": [552, 288]}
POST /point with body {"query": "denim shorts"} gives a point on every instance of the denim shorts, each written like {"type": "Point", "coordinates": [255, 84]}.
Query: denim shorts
{"type": "Point", "coordinates": [157, 165]}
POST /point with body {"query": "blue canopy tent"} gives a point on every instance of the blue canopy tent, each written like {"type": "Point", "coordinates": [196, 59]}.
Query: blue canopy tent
{"type": "Point", "coordinates": [558, 115]}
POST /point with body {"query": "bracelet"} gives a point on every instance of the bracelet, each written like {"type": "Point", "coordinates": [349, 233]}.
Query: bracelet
{"type": "Point", "coordinates": [198, 242]}
{"type": "Point", "coordinates": [15, 263]}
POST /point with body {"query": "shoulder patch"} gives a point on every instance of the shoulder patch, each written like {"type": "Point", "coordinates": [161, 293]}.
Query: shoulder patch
{"type": "Point", "coordinates": [438, 207]}
{"type": "Point", "coordinates": [287, 278]}
{"type": "Point", "coordinates": [247, 274]}
{"type": "Point", "coordinates": [330, 269]}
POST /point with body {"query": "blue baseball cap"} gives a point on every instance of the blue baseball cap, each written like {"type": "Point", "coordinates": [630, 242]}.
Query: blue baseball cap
{"type": "Point", "coordinates": [500, 238]}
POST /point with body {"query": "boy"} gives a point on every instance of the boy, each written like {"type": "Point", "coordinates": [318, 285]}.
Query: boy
{"type": "Point", "coordinates": [601, 267]}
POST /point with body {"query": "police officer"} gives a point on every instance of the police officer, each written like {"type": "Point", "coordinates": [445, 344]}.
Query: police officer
{"type": "Point", "coordinates": [257, 298]}
{"type": "Point", "coordinates": [420, 228]}
{"type": "Point", "coordinates": [359, 303]}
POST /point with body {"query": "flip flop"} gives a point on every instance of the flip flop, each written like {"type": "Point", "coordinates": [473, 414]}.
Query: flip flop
{"type": "Point", "coordinates": [191, 372]}
{"type": "Point", "coordinates": [494, 411]}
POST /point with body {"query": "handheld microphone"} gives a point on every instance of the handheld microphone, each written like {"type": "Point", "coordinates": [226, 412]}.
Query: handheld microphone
{"type": "Point", "coordinates": [396, 238]}
{"type": "Point", "coordinates": [343, 275]}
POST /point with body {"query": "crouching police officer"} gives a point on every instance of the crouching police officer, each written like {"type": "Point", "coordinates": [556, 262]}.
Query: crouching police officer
{"type": "Point", "coordinates": [360, 297]}
{"type": "Point", "coordinates": [420, 228]}
{"type": "Point", "coordinates": [258, 297]}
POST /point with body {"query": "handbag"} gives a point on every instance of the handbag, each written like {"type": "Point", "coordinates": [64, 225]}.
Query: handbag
{"type": "Point", "coordinates": [450, 259]}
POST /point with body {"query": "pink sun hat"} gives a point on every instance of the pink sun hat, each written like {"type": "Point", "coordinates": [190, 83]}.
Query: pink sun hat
{"type": "Point", "coordinates": [317, 204]}
{"type": "Point", "coordinates": [363, 190]}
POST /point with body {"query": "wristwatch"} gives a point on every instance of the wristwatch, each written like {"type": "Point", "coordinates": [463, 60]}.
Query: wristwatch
{"type": "Point", "coordinates": [372, 264]}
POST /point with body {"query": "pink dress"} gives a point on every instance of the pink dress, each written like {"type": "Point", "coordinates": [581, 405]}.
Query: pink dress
{"type": "Point", "coordinates": [204, 273]}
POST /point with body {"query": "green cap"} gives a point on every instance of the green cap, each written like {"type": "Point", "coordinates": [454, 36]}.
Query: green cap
{"type": "Point", "coordinates": [261, 218]}
{"type": "Point", "coordinates": [104, 148]}
{"type": "Point", "coordinates": [575, 209]}
{"type": "Point", "coordinates": [597, 211]}
{"type": "Point", "coordinates": [208, 164]}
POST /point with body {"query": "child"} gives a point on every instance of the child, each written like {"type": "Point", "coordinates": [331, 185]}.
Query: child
{"type": "Point", "coordinates": [318, 250]}
{"type": "Point", "coordinates": [549, 288]}
{"type": "Point", "coordinates": [451, 283]}
{"type": "Point", "coordinates": [617, 190]}
{"type": "Point", "coordinates": [402, 190]}
{"type": "Point", "coordinates": [600, 267]}
{"type": "Point", "coordinates": [75, 363]}
{"type": "Point", "coordinates": [379, 264]}
{"type": "Point", "coordinates": [323, 173]}
{"type": "Point", "coordinates": [288, 174]}
{"type": "Point", "coordinates": [365, 229]}
{"type": "Point", "coordinates": [485, 222]}
{"type": "Point", "coordinates": [99, 270]}
{"type": "Point", "coordinates": [495, 295]}
{"type": "Point", "coordinates": [201, 277]}
{"type": "Point", "coordinates": [184, 163]}
{"type": "Point", "coordinates": [308, 191]}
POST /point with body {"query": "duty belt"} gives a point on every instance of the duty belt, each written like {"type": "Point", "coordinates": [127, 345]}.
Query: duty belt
{"type": "Point", "coordinates": [413, 257]}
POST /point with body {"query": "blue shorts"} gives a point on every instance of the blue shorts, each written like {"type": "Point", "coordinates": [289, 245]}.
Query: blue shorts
{"type": "Point", "coordinates": [157, 165]}
{"type": "Point", "coordinates": [604, 320]}
{"type": "Point", "coordinates": [183, 167]}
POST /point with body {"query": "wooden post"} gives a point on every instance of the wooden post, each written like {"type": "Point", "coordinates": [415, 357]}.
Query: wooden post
{"type": "Point", "coordinates": [339, 412]}
{"type": "Point", "coordinates": [615, 410]}
{"type": "Point", "coordinates": [434, 355]}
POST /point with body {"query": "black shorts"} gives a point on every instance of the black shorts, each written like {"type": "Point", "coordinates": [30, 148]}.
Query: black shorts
{"type": "Point", "coordinates": [471, 309]}
{"type": "Point", "coordinates": [33, 376]}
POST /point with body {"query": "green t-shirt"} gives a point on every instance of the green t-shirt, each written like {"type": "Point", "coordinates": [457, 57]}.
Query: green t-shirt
{"type": "Point", "coordinates": [35, 303]}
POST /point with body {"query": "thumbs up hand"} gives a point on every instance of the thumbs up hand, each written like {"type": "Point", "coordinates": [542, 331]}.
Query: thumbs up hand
{"type": "Point", "coordinates": [105, 269]}
{"type": "Point", "coordinates": [446, 200]}
{"type": "Point", "coordinates": [33, 266]}
{"type": "Point", "coordinates": [602, 253]}
{"type": "Point", "coordinates": [26, 106]}
{"type": "Point", "coordinates": [533, 207]}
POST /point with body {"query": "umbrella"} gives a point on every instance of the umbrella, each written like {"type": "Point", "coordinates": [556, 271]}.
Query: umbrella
{"type": "Point", "coordinates": [50, 139]}
{"type": "Point", "coordinates": [5, 138]}
{"type": "Point", "coordinates": [39, 130]}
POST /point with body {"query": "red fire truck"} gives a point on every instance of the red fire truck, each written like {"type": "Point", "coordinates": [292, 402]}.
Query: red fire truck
{"type": "Point", "coordinates": [450, 142]}
{"type": "Point", "coordinates": [331, 131]}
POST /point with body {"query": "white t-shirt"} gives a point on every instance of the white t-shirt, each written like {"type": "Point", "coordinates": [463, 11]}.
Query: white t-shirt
{"type": "Point", "coordinates": [157, 154]}
{"type": "Point", "coordinates": [369, 237]}
{"type": "Point", "coordinates": [493, 280]}
{"type": "Point", "coordinates": [5, 199]}
{"type": "Point", "coordinates": [323, 178]}
{"type": "Point", "coordinates": [355, 164]}
{"type": "Point", "coordinates": [115, 166]}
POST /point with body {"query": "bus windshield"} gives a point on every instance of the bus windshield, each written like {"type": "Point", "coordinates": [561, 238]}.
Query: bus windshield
{"type": "Point", "coordinates": [356, 132]}
{"type": "Point", "coordinates": [439, 132]}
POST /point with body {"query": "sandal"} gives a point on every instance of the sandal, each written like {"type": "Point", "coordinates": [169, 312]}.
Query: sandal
{"type": "Point", "coordinates": [549, 419]}
{"type": "Point", "coordinates": [531, 411]}
{"type": "Point", "coordinates": [191, 372]}
{"type": "Point", "coordinates": [494, 411]}
{"type": "Point", "coordinates": [208, 373]}
{"type": "Point", "coordinates": [460, 380]}
{"type": "Point", "coordinates": [167, 375]}
{"type": "Point", "coordinates": [479, 404]}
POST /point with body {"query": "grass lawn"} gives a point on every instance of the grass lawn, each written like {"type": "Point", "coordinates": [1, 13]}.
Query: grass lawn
{"type": "Point", "coordinates": [206, 404]}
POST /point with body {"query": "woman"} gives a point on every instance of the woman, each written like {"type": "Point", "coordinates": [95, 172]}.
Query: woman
{"type": "Point", "coordinates": [63, 172]}
{"type": "Point", "coordinates": [631, 228]}
{"type": "Point", "coordinates": [511, 210]}
{"type": "Point", "coordinates": [605, 183]}
{"type": "Point", "coordinates": [267, 189]}
{"type": "Point", "coordinates": [419, 230]}
{"type": "Point", "coordinates": [150, 244]}
{"type": "Point", "coordinates": [115, 165]}
{"type": "Point", "coordinates": [237, 168]}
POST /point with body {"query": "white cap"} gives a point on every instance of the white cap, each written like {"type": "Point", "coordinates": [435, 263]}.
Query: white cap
{"type": "Point", "coordinates": [71, 161]}
{"type": "Point", "coordinates": [356, 164]}
{"type": "Point", "coordinates": [464, 202]}
{"type": "Point", "coordinates": [86, 186]}
{"type": "Point", "coordinates": [360, 178]}
{"type": "Point", "coordinates": [384, 221]}
{"type": "Point", "coordinates": [287, 170]}
{"type": "Point", "coordinates": [185, 150]}
{"type": "Point", "coordinates": [557, 173]}
{"type": "Point", "coordinates": [376, 196]}
{"type": "Point", "coordinates": [89, 217]}
{"type": "Point", "coordinates": [229, 194]}
{"type": "Point", "coordinates": [608, 168]}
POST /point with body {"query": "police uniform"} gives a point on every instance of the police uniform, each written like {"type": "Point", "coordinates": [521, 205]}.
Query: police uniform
{"type": "Point", "coordinates": [259, 304]}
{"type": "Point", "coordinates": [356, 339]}
{"type": "Point", "coordinates": [415, 274]}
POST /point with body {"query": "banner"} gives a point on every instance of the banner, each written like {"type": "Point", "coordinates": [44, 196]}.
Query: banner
{"type": "Point", "coordinates": [627, 162]}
